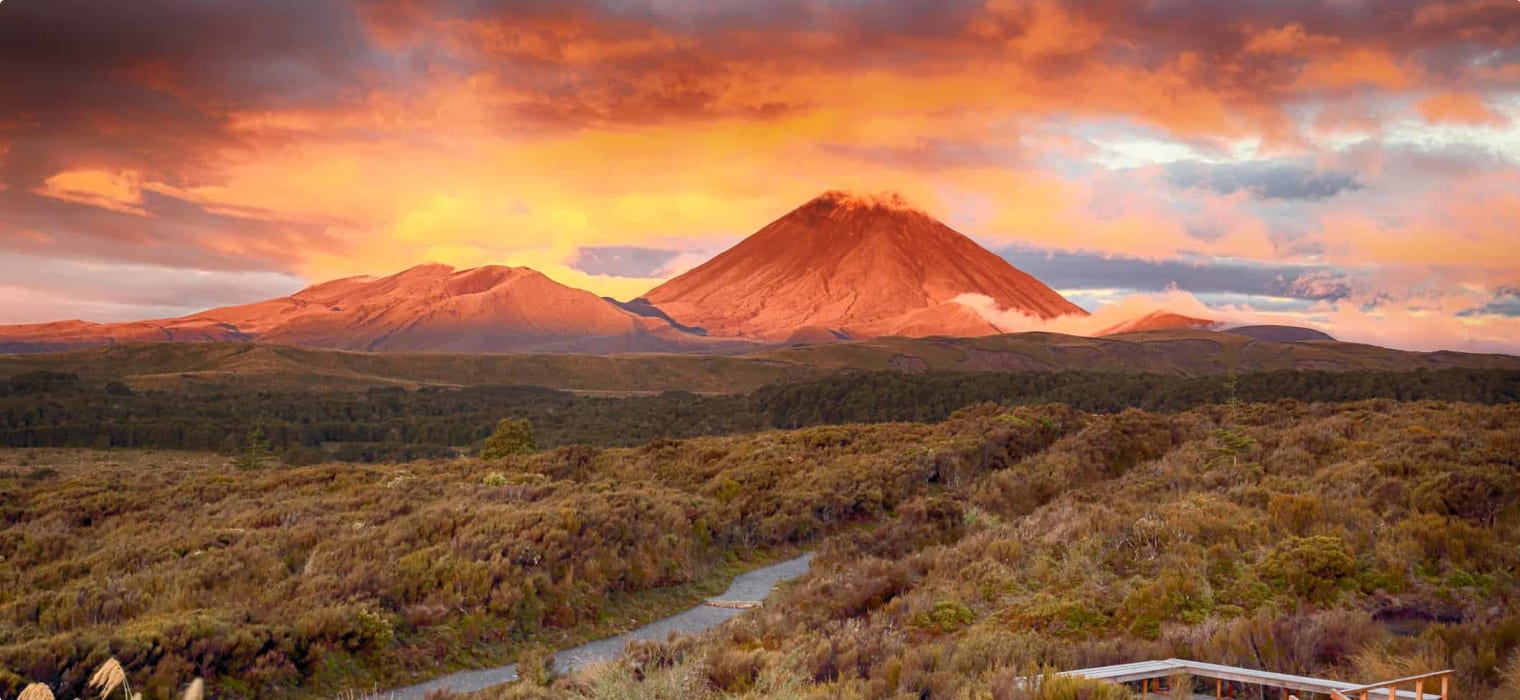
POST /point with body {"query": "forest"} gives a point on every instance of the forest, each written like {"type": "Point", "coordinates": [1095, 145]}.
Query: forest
{"type": "Point", "coordinates": [1351, 540]}
{"type": "Point", "coordinates": [54, 409]}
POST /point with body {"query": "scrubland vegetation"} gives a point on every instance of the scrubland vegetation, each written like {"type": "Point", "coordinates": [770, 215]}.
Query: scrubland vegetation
{"type": "Point", "coordinates": [1362, 542]}
{"type": "Point", "coordinates": [300, 580]}
{"type": "Point", "coordinates": [1358, 540]}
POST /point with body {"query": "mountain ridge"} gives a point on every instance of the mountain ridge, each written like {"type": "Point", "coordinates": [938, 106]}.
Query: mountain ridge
{"type": "Point", "coordinates": [428, 307]}
{"type": "Point", "coordinates": [839, 267]}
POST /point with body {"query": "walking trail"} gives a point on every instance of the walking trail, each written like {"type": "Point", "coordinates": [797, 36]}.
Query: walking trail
{"type": "Point", "coordinates": [751, 587]}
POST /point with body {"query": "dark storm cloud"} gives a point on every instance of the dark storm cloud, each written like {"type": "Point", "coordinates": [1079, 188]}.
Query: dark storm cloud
{"type": "Point", "coordinates": [623, 261]}
{"type": "Point", "coordinates": [150, 84]}
{"type": "Point", "coordinates": [1085, 271]}
{"type": "Point", "coordinates": [1264, 180]}
{"type": "Point", "coordinates": [162, 74]}
{"type": "Point", "coordinates": [1447, 38]}
{"type": "Point", "coordinates": [680, 60]}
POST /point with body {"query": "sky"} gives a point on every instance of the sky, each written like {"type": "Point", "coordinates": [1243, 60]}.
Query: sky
{"type": "Point", "coordinates": [1352, 165]}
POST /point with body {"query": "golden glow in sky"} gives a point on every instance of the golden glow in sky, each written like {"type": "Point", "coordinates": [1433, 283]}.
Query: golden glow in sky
{"type": "Point", "coordinates": [1345, 163]}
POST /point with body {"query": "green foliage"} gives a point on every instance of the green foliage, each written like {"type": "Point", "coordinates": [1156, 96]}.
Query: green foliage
{"type": "Point", "coordinates": [1234, 442]}
{"type": "Point", "coordinates": [1181, 597]}
{"type": "Point", "coordinates": [512, 437]}
{"type": "Point", "coordinates": [1478, 493]}
{"type": "Point", "coordinates": [535, 666]}
{"type": "Point", "coordinates": [495, 479]}
{"type": "Point", "coordinates": [52, 409]}
{"type": "Point", "coordinates": [374, 630]}
{"type": "Point", "coordinates": [944, 616]}
{"type": "Point", "coordinates": [1314, 568]}
{"type": "Point", "coordinates": [255, 453]}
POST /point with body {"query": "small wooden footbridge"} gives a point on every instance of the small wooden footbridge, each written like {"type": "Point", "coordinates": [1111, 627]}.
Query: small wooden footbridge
{"type": "Point", "coordinates": [1160, 678]}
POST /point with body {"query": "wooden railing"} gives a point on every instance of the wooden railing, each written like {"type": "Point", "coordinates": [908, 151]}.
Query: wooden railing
{"type": "Point", "coordinates": [1365, 692]}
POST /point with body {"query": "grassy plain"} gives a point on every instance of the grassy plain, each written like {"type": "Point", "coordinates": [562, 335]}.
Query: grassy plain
{"type": "Point", "coordinates": [273, 367]}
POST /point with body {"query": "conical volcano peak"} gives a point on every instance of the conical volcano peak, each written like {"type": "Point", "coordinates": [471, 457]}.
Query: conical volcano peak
{"type": "Point", "coordinates": [856, 265]}
{"type": "Point", "coordinates": [854, 201]}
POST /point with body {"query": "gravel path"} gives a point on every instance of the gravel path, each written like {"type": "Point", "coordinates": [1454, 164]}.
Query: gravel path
{"type": "Point", "coordinates": [753, 586]}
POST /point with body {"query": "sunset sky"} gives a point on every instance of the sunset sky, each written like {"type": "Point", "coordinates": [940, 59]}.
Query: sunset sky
{"type": "Point", "coordinates": [1350, 164]}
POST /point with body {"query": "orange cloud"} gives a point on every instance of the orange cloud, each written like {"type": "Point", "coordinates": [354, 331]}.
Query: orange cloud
{"type": "Point", "coordinates": [469, 134]}
{"type": "Point", "coordinates": [117, 191]}
{"type": "Point", "coordinates": [1357, 67]}
{"type": "Point", "coordinates": [1448, 107]}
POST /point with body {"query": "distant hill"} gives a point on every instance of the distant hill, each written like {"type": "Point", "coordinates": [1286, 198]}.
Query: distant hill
{"type": "Point", "coordinates": [1160, 321]}
{"type": "Point", "coordinates": [1184, 353]}
{"type": "Point", "coordinates": [1281, 334]}
{"type": "Point", "coordinates": [424, 308]}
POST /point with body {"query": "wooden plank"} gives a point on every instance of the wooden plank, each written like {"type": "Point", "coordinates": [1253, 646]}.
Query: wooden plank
{"type": "Point", "coordinates": [1138, 672]}
{"type": "Point", "coordinates": [1400, 681]}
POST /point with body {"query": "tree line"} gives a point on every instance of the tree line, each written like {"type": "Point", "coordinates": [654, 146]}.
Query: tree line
{"type": "Point", "coordinates": [51, 409]}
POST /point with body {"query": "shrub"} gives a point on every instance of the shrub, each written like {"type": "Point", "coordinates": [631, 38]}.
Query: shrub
{"type": "Point", "coordinates": [945, 616]}
{"type": "Point", "coordinates": [1294, 512]}
{"type": "Point", "coordinates": [1314, 568]}
{"type": "Point", "coordinates": [535, 666]}
{"type": "Point", "coordinates": [512, 437]}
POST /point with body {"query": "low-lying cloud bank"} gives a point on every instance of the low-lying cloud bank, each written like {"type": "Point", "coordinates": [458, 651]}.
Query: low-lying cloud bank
{"type": "Point", "coordinates": [1425, 328]}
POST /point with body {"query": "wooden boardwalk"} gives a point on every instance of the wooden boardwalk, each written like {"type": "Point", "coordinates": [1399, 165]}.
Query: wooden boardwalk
{"type": "Point", "coordinates": [1429, 686]}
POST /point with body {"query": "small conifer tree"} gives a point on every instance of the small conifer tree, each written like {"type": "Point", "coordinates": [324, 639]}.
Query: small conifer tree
{"type": "Point", "coordinates": [255, 451]}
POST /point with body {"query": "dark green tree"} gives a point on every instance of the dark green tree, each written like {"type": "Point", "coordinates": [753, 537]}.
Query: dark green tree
{"type": "Point", "coordinates": [255, 451]}
{"type": "Point", "coordinates": [512, 437]}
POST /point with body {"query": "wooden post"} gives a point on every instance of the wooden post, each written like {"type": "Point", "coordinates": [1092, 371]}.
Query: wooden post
{"type": "Point", "coordinates": [1445, 683]}
{"type": "Point", "coordinates": [1393, 692]}
{"type": "Point", "coordinates": [1419, 689]}
{"type": "Point", "coordinates": [1218, 689]}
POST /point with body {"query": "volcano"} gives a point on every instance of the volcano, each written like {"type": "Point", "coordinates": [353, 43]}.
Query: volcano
{"type": "Point", "coordinates": [851, 266]}
{"type": "Point", "coordinates": [425, 308]}
{"type": "Point", "coordinates": [841, 266]}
